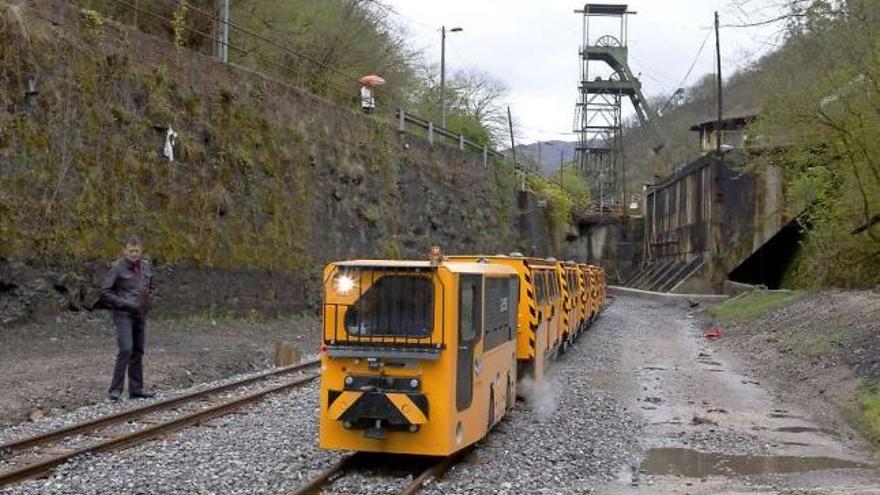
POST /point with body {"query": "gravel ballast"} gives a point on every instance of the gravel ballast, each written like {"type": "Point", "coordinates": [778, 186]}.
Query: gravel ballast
{"type": "Point", "coordinates": [566, 438]}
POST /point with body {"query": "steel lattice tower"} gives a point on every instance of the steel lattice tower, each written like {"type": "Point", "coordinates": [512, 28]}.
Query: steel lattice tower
{"type": "Point", "coordinates": [605, 79]}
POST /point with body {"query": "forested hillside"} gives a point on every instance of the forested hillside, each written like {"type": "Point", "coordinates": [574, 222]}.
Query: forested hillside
{"type": "Point", "coordinates": [819, 120]}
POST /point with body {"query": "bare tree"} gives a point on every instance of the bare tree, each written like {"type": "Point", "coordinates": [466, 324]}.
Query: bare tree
{"type": "Point", "coordinates": [481, 96]}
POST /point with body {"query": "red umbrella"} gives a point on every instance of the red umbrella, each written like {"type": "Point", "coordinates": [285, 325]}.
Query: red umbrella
{"type": "Point", "coordinates": [372, 80]}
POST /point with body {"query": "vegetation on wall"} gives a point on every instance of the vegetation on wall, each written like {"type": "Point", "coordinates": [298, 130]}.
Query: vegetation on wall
{"type": "Point", "coordinates": [325, 46]}
{"type": "Point", "coordinates": [81, 160]}
{"type": "Point", "coordinates": [565, 194]}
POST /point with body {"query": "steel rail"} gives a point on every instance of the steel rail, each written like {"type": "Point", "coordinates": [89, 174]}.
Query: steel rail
{"type": "Point", "coordinates": [119, 417]}
{"type": "Point", "coordinates": [433, 472]}
{"type": "Point", "coordinates": [326, 477]}
{"type": "Point", "coordinates": [126, 440]}
{"type": "Point", "coordinates": [336, 471]}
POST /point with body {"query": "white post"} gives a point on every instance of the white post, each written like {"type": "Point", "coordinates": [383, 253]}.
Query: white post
{"type": "Point", "coordinates": [401, 124]}
{"type": "Point", "coordinates": [461, 142]}
{"type": "Point", "coordinates": [224, 31]}
{"type": "Point", "coordinates": [431, 132]}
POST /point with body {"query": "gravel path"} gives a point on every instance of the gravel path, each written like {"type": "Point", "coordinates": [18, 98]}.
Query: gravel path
{"type": "Point", "coordinates": [269, 449]}
{"type": "Point", "coordinates": [640, 381]}
{"type": "Point", "coordinates": [567, 438]}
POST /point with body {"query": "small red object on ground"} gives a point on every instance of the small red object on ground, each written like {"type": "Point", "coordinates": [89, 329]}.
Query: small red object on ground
{"type": "Point", "coordinates": [713, 333]}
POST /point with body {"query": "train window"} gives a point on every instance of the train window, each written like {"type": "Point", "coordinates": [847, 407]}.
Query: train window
{"type": "Point", "coordinates": [496, 315]}
{"type": "Point", "coordinates": [554, 285]}
{"type": "Point", "coordinates": [394, 306]}
{"type": "Point", "coordinates": [468, 311]}
{"type": "Point", "coordinates": [540, 287]}
{"type": "Point", "coordinates": [548, 287]}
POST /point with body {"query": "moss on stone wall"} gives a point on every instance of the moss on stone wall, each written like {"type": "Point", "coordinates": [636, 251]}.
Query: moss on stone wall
{"type": "Point", "coordinates": [265, 176]}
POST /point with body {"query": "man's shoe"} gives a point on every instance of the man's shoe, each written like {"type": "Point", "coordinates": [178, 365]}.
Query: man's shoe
{"type": "Point", "coordinates": [114, 395]}
{"type": "Point", "coordinates": [141, 395]}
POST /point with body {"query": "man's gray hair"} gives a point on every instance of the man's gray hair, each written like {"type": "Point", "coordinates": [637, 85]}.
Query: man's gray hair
{"type": "Point", "coordinates": [132, 240]}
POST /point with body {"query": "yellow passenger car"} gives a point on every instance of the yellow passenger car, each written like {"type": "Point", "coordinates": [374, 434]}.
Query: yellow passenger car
{"type": "Point", "coordinates": [535, 346]}
{"type": "Point", "coordinates": [418, 357]}
{"type": "Point", "coordinates": [597, 282]}
{"type": "Point", "coordinates": [571, 278]}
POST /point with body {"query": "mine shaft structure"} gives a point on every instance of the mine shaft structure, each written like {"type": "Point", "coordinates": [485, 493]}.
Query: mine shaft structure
{"type": "Point", "coordinates": [605, 80]}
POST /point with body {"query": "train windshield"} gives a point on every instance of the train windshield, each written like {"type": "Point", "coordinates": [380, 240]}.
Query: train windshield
{"type": "Point", "coordinates": [393, 306]}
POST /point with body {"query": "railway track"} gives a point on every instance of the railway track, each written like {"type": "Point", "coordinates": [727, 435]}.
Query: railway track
{"type": "Point", "coordinates": [21, 452]}
{"type": "Point", "coordinates": [434, 469]}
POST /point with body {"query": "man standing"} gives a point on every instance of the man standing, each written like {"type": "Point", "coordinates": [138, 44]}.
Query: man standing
{"type": "Point", "coordinates": [128, 291]}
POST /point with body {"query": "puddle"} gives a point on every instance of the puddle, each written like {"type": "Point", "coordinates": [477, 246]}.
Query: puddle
{"type": "Point", "coordinates": [716, 370]}
{"type": "Point", "coordinates": [711, 363]}
{"type": "Point", "coordinates": [694, 464]}
{"type": "Point", "coordinates": [807, 429]}
{"type": "Point", "coordinates": [654, 368]}
{"type": "Point", "coordinates": [783, 415]}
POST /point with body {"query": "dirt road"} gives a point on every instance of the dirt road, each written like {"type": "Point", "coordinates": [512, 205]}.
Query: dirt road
{"type": "Point", "coordinates": [710, 425]}
{"type": "Point", "coordinates": [56, 366]}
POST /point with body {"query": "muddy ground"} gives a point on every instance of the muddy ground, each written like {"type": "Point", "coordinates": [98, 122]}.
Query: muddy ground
{"type": "Point", "coordinates": [58, 365]}
{"type": "Point", "coordinates": [816, 350]}
{"type": "Point", "coordinates": [714, 421]}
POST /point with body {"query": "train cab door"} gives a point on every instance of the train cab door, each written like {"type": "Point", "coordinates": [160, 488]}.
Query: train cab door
{"type": "Point", "coordinates": [470, 330]}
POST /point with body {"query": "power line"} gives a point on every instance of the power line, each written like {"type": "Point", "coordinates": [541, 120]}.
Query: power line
{"type": "Point", "coordinates": [690, 70]}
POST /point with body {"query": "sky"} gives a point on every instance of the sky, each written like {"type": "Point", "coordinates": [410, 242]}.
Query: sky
{"type": "Point", "coordinates": [532, 45]}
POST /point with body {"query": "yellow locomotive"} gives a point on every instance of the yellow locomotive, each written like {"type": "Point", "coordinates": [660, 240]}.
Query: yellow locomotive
{"type": "Point", "coordinates": [423, 357]}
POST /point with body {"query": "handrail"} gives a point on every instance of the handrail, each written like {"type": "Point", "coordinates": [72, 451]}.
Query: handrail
{"type": "Point", "coordinates": [404, 118]}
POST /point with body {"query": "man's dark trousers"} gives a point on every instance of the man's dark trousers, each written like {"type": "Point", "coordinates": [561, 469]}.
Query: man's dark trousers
{"type": "Point", "coordinates": [130, 337]}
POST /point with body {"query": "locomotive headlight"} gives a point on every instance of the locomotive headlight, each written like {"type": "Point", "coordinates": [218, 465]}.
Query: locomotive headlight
{"type": "Point", "coordinates": [414, 383]}
{"type": "Point", "coordinates": [344, 284]}
{"type": "Point", "coordinates": [349, 380]}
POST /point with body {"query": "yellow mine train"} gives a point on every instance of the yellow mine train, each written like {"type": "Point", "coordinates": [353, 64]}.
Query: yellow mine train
{"type": "Point", "coordinates": [424, 357]}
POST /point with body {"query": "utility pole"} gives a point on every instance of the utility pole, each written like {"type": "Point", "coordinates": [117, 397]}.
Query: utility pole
{"type": "Point", "coordinates": [223, 29]}
{"type": "Point", "coordinates": [540, 157]}
{"type": "Point", "coordinates": [513, 149]}
{"type": "Point", "coordinates": [718, 269]}
{"type": "Point", "coordinates": [561, 164]}
{"type": "Point", "coordinates": [443, 72]}
{"type": "Point", "coordinates": [719, 123]}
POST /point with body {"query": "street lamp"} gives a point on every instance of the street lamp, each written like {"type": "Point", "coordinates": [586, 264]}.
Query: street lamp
{"type": "Point", "coordinates": [443, 72]}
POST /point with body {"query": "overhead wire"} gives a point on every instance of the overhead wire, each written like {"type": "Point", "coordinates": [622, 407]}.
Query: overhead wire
{"type": "Point", "coordinates": [689, 72]}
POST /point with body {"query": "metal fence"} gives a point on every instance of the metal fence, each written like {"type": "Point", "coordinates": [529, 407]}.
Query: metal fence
{"type": "Point", "coordinates": [433, 130]}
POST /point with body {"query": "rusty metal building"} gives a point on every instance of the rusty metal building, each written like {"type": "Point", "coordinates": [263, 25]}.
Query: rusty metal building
{"type": "Point", "coordinates": [709, 217]}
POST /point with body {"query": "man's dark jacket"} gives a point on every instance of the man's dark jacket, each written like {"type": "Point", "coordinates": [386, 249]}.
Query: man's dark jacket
{"type": "Point", "coordinates": [128, 287]}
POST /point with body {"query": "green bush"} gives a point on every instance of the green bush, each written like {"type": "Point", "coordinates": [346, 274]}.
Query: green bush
{"type": "Point", "coordinates": [754, 304]}
{"type": "Point", "coordinates": [869, 404]}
